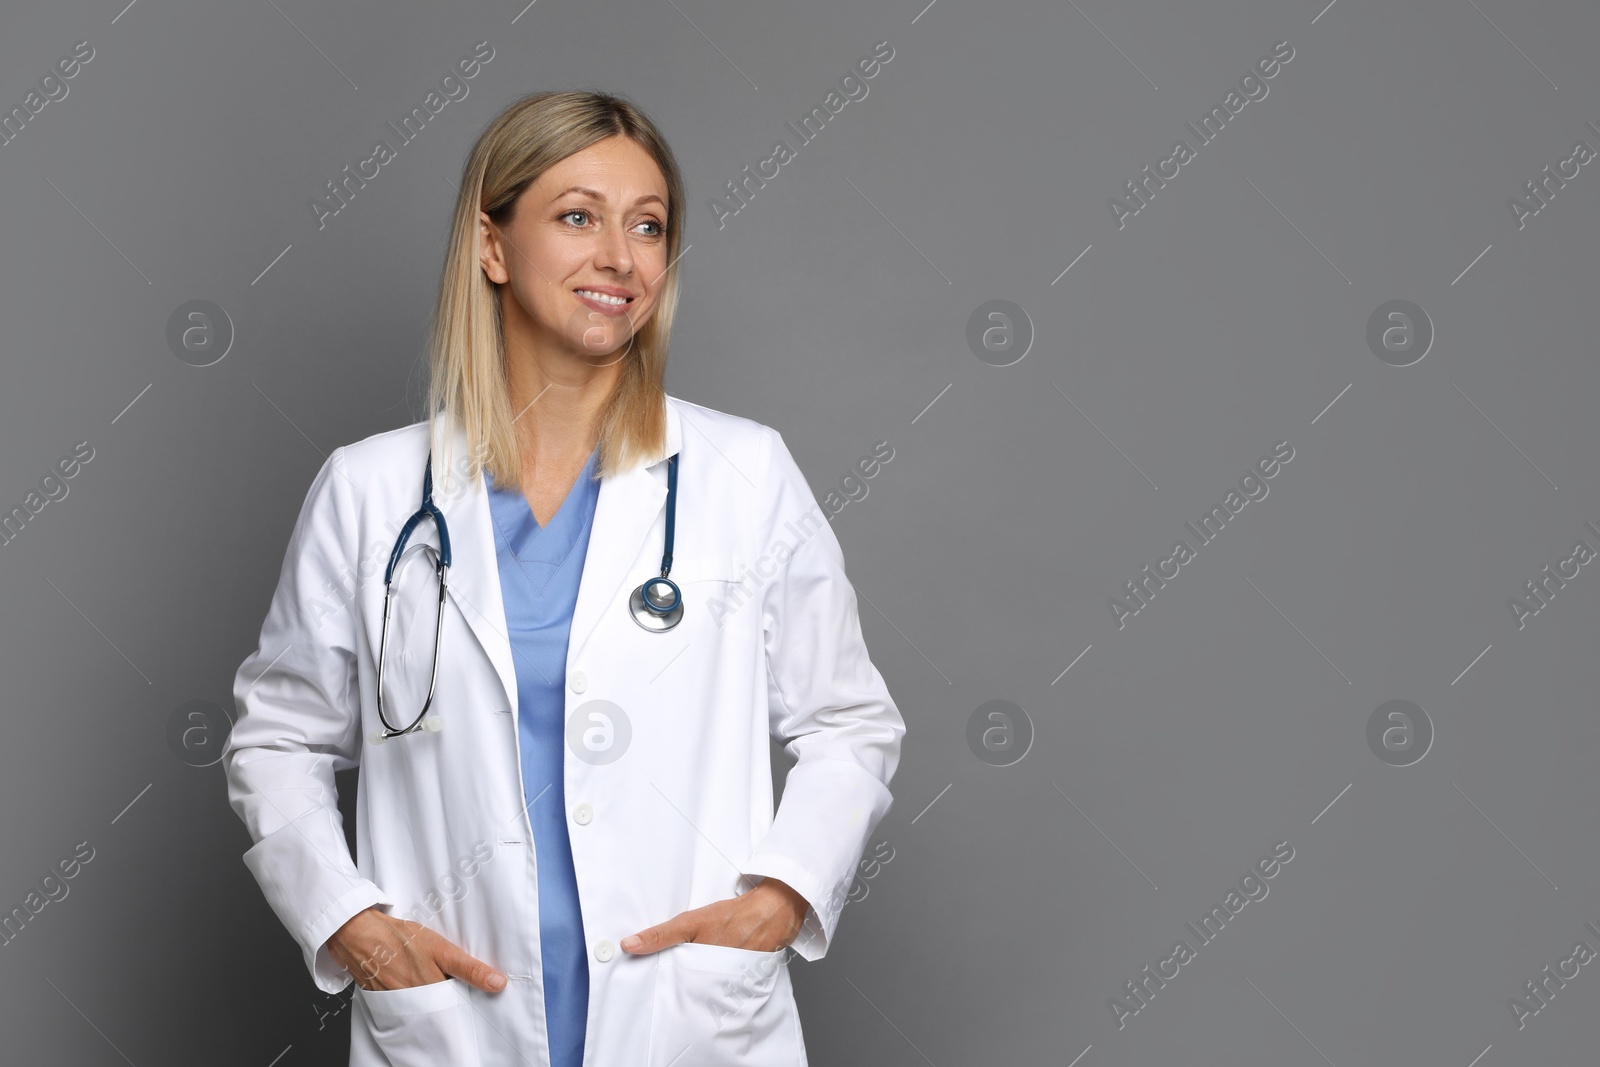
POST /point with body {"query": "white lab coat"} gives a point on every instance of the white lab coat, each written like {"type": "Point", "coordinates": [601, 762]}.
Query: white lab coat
{"type": "Point", "coordinates": [669, 800]}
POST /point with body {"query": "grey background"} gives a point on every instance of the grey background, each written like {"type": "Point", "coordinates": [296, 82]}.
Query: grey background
{"type": "Point", "coordinates": [1225, 317]}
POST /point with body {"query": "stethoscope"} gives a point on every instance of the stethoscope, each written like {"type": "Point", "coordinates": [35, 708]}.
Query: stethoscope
{"type": "Point", "coordinates": [656, 605]}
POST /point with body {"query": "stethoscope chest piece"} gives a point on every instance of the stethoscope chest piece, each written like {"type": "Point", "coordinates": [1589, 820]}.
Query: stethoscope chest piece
{"type": "Point", "coordinates": [657, 605]}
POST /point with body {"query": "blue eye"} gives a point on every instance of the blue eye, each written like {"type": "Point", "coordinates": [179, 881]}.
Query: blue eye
{"type": "Point", "coordinates": [660, 228]}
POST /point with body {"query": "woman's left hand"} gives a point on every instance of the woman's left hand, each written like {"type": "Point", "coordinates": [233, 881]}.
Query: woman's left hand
{"type": "Point", "coordinates": [763, 919]}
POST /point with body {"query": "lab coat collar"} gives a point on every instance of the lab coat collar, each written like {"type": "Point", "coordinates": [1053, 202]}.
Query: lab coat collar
{"type": "Point", "coordinates": [625, 510]}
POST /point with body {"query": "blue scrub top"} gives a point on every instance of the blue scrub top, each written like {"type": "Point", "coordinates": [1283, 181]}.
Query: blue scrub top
{"type": "Point", "coordinates": [539, 573]}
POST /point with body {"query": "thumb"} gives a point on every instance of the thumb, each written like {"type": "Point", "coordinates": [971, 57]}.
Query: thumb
{"type": "Point", "coordinates": [457, 963]}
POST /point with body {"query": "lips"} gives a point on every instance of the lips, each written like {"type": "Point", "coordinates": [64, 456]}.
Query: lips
{"type": "Point", "coordinates": [605, 291]}
{"type": "Point", "coordinates": [604, 302]}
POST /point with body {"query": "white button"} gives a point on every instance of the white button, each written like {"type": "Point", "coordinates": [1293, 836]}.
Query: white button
{"type": "Point", "coordinates": [578, 680]}
{"type": "Point", "coordinates": [602, 950]}
{"type": "Point", "coordinates": [582, 814]}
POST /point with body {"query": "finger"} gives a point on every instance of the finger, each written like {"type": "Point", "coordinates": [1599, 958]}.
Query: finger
{"type": "Point", "coordinates": [674, 931]}
{"type": "Point", "coordinates": [457, 963]}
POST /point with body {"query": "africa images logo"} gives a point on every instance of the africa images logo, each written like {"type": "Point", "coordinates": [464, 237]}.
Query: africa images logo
{"type": "Point", "coordinates": [1252, 487]}
{"type": "Point", "coordinates": [1252, 888]}
{"type": "Point", "coordinates": [1252, 86]}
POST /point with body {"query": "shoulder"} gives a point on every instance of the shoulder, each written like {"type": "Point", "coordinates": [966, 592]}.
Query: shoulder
{"type": "Point", "coordinates": [402, 448]}
{"type": "Point", "coordinates": [752, 446]}
{"type": "Point", "coordinates": [364, 471]}
{"type": "Point", "coordinates": [744, 437]}
{"type": "Point", "coordinates": [720, 426]}
{"type": "Point", "coordinates": [755, 467]}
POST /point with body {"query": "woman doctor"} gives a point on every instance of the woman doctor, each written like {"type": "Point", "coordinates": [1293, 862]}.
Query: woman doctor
{"type": "Point", "coordinates": [573, 856]}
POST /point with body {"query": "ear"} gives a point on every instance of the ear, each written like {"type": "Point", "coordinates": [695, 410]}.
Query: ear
{"type": "Point", "coordinates": [491, 250]}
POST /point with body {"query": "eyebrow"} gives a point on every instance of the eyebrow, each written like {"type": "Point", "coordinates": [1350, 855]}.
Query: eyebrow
{"type": "Point", "coordinates": [592, 195]}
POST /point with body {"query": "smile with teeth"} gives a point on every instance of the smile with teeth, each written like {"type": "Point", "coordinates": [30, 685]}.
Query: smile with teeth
{"type": "Point", "coordinates": [603, 298]}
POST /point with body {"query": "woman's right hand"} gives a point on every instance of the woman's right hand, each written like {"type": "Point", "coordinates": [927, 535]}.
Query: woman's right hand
{"type": "Point", "coordinates": [382, 952]}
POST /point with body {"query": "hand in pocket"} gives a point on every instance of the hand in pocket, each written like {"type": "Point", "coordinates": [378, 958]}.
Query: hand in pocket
{"type": "Point", "coordinates": [763, 919]}
{"type": "Point", "coordinates": [383, 953]}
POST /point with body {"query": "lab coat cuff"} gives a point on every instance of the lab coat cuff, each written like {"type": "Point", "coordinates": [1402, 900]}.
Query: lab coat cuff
{"type": "Point", "coordinates": [828, 809]}
{"type": "Point", "coordinates": [325, 970]}
{"type": "Point", "coordinates": [306, 874]}
{"type": "Point", "coordinates": [816, 930]}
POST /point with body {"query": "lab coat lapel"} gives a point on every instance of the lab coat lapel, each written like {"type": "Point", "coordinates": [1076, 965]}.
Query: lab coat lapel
{"type": "Point", "coordinates": [624, 512]}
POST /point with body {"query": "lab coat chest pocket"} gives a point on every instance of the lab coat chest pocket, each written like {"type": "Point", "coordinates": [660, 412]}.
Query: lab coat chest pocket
{"type": "Point", "coordinates": [704, 567]}
{"type": "Point", "coordinates": [711, 590]}
{"type": "Point", "coordinates": [422, 1026]}
{"type": "Point", "coordinates": [717, 1006]}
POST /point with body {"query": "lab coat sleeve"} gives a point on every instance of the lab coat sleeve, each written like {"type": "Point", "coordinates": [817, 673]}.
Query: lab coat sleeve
{"type": "Point", "coordinates": [828, 706]}
{"type": "Point", "coordinates": [299, 721]}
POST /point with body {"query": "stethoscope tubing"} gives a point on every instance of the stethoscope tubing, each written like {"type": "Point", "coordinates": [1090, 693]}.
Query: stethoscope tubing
{"type": "Point", "coordinates": [442, 567]}
{"type": "Point", "coordinates": [649, 610]}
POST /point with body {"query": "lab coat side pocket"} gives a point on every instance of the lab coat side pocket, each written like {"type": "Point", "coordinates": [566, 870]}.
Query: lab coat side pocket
{"type": "Point", "coordinates": [422, 1026]}
{"type": "Point", "coordinates": [717, 1006]}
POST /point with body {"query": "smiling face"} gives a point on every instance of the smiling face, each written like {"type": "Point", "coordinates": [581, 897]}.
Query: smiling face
{"type": "Point", "coordinates": [582, 259]}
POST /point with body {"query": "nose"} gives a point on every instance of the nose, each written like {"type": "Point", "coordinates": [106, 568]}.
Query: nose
{"type": "Point", "coordinates": [611, 250]}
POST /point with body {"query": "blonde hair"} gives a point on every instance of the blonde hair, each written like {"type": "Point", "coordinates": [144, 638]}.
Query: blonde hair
{"type": "Point", "coordinates": [466, 344]}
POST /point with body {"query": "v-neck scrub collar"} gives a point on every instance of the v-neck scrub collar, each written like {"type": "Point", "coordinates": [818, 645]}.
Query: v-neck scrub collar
{"type": "Point", "coordinates": [521, 532]}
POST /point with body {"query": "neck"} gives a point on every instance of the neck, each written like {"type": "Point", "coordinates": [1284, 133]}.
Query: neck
{"type": "Point", "coordinates": [556, 401]}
